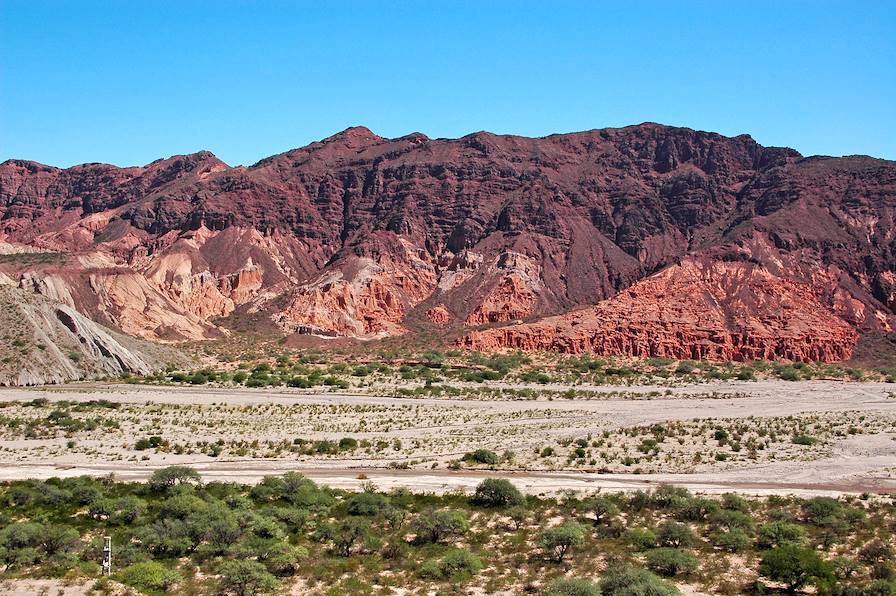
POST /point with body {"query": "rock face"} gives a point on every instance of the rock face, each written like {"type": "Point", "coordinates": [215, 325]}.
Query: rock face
{"type": "Point", "coordinates": [695, 310]}
{"type": "Point", "coordinates": [48, 342]}
{"type": "Point", "coordinates": [349, 236]}
{"type": "Point", "coordinates": [439, 315]}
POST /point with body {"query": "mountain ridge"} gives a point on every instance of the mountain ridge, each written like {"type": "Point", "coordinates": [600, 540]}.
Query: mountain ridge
{"type": "Point", "coordinates": [350, 234]}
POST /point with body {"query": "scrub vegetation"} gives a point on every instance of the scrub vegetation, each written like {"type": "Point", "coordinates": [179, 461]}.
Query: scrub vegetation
{"type": "Point", "coordinates": [175, 534]}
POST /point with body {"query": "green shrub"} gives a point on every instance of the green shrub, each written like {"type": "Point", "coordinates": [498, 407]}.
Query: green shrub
{"type": "Point", "coordinates": [348, 444]}
{"type": "Point", "coordinates": [366, 503]}
{"type": "Point", "coordinates": [674, 534]}
{"type": "Point", "coordinates": [685, 368]}
{"type": "Point", "coordinates": [482, 456]}
{"type": "Point", "coordinates": [603, 509]}
{"type": "Point", "coordinates": [734, 540]}
{"type": "Point", "coordinates": [497, 492]}
{"type": "Point", "coordinates": [557, 541]}
{"type": "Point", "coordinates": [627, 580]}
{"type": "Point", "coordinates": [435, 526]}
{"type": "Point", "coordinates": [246, 578]}
{"type": "Point", "coordinates": [640, 538]}
{"type": "Point", "coordinates": [149, 576]}
{"type": "Point", "coordinates": [789, 373]}
{"type": "Point", "coordinates": [671, 561]}
{"type": "Point", "coordinates": [570, 586]}
{"type": "Point", "coordinates": [779, 533]}
{"type": "Point", "coordinates": [746, 374]}
{"type": "Point", "coordinates": [795, 567]}
{"type": "Point", "coordinates": [166, 478]}
{"type": "Point", "coordinates": [348, 533]}
{"type": "Point", "coordinates": [456, 565]}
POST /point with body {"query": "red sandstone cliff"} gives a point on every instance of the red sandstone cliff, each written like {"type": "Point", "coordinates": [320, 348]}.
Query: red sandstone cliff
{"type": "Point", "coordinates": [696, 310]}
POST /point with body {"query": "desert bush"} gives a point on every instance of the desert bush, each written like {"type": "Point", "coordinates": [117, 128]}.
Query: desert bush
{"type": "Point", "coordinates": [779, 533]}
{"type": "Point", "coordinates": [367, 503]}
{"type": "Point", "coordinates": [497, 492]}
{"type": "Point", "coordinates": [570, 586]}
{"type": "Point", "coordinates": [734, 540]}
{"type": "Point", "coordinates": [557, 541]}
{"type": "Point", "coordinates": [675, 535]}
{"type": "Point", "coordinates": [671, 561]}
{"type": "Point", "coordinates": [349, 533]}
{"type": "Point", "coordinates": [149, 576]}
{"type": "Point", "coordinates": [628, 580]}
{"type": "Point", "coordinates": [695, 508]}
{"type": "Point", "coordinates": [876, 551]}
{"type": "Point", "coordinates": [436, 526]}
{"type": "Point", "coordinates": [518, 515]}
{"type": "Point", "coordinates": [795, 567]}
{"type": "Point", "coordinates": [729, 519]}
{"type": "Point", "coordinates": [246, 578]}
{"type": "Point", "coordinates": [456, 565]}
{"type": "Point", "coordinates": [482, 456]}
{"type": "Point", "coordinates": [640, 538]}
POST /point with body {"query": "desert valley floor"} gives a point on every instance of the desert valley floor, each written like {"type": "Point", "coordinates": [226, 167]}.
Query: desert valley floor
{"type": "Point", "coordinates": [762, 437]}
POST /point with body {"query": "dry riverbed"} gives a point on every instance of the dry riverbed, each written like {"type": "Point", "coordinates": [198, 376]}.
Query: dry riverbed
{"type": "Point", "coordinates": [812, 437]}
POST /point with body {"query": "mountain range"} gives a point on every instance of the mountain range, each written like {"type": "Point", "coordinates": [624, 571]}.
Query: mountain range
{"type": "Point", "coordinates": [647, 240]}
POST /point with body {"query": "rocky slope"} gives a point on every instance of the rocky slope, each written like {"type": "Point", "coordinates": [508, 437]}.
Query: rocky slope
{"type": "Point", "coordinates": [47, 342]}
{"type": "Point", "coordinates": [362, 236]}
{"type": "Point", "coordinates": [695, 310]}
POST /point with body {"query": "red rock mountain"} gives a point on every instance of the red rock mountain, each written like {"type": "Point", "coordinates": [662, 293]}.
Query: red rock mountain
{"type": "Point", "coordinates": [687, 243]}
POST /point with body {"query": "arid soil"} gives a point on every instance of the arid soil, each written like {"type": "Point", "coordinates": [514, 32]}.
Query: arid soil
{"type": "Point", "coordinates": [757, 437]}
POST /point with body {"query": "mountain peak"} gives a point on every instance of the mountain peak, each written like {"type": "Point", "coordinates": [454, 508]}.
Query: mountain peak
{"type": "Point", "coordinates": [354, 135]}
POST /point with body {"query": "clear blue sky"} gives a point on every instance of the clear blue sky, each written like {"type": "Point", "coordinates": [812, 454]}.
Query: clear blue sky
{"type": "Point", "coordinates": [128, 82]}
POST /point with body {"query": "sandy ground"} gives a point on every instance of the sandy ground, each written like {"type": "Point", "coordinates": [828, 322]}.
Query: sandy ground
{"type": "Point", "coordinates": [848, 464]}
{"type": "Point", "coordinates": [43, 587]}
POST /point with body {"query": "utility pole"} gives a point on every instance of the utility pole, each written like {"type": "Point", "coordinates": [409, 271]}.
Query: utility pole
{"type": "Point", "coordinates": [107, 555]}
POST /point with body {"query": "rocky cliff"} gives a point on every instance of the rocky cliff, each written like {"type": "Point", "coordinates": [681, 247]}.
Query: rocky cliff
{"type": "Point", "coordinates": [47, 342]}
{"type": "Point", "coordinates": [363, 236]}
{"type": "Point", "coordinates": [694, 310]}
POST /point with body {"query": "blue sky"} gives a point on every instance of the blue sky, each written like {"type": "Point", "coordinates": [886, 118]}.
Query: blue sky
{"type": "Point", "coordinates": [129, 82]}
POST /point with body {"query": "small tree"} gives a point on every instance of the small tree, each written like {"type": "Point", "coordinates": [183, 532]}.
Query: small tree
{"type": "Point", "coordinates": [603, 509]}
{"type": "Point", "coordinates": [518, 516]}
{"type": "Point", "coordinates": [435, 526]}
{"type": "Point", "coordinates": [498, 492]}
{"type": "Point", "coordinates": [795, 567]}
{"type": "Point", "coordinates": [165, 478]}
{"type": "Point", "coordinates": [246, 578]}
{"type": "Point", "coordinates": [20, 544]}
{"type": "Point", "coordinates": [347, 534]}
{"type": "Point", "coordinates": [675, 535]}
{"type": "Point", "coordinates": [557, 541]}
